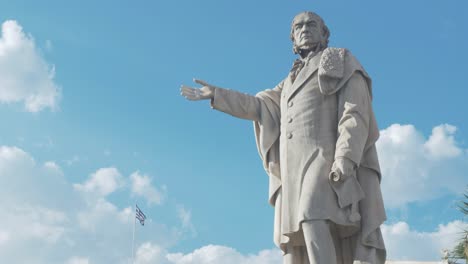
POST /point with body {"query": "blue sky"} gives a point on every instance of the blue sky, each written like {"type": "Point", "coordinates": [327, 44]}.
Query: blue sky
{"type": "Point", "coordinates": [92, 121]}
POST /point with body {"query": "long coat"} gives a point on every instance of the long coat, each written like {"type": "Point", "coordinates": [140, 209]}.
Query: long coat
{"type": "Point", "coordinates": [303, 129]}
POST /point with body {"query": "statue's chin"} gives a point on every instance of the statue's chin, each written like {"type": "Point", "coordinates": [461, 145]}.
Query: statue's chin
{"type": "Point", "coordinates": [304, 51]}
{"type": "Point", "coordinates": [307, 47]}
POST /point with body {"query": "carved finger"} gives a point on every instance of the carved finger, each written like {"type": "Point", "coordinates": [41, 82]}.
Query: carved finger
{"type": "Point", "coordinates": [187, 94]}
{"type": "Point", "coordinates": [192, 98]}
{"type": "Point", "coordinates": [202, 82]}
{"type": "Point", "coordinates": [185, 91]}
{"type": "Point", "coordinates": [187, 88]}
{"type": "Point", "coordinates": [193, 94]}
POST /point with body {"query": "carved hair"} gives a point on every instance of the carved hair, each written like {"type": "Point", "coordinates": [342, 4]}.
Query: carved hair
{"type": "Point", "coordinates": [325, 33]}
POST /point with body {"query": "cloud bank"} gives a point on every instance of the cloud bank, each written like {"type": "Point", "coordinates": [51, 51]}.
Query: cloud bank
{"type": "Point", "coordinates": [211, 254]}
{"type": "Point", "coordinates": [57, 221]}
{"type": "Point", "coordinates": [25, 76]}
{"type": "Point", "coordinates": [418, 169]}
{"type": "Point", "coordinates": [405, 243]}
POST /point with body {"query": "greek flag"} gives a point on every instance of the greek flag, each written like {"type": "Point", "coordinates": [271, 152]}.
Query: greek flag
{"type": "Point", "coordinates": [140, 215]}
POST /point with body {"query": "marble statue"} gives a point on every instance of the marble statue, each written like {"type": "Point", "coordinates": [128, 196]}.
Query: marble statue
{"type": "Point", "coordinates": [316, 133]}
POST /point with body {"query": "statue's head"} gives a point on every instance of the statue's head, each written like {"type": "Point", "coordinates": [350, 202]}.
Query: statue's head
{"type": "Point", "coordinates": [309, 33]}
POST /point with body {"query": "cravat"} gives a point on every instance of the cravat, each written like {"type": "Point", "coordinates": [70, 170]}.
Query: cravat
{"type": "Point", "coordinates": [299, 64]}
{"type": "Point", "coordinates": [296, 68]}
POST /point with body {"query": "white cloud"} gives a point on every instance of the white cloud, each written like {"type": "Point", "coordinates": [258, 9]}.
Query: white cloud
{"type": "Point", "coordinates": [441, 143]}
{"type": "Point", "coordinates": [53, 167]}
{"type": "Point", "coordinates": [25, 222]}
{"type": "Point", "coordinates": [416, 169]}
{"type": "Point", "coordinates": [30, 200]}
{"type": "Point", "coordinates": [46, 224]}
{"type": "Point", "coordinates": [77, 260]}
{"type": "Point", "coordinates": [24, 74]}
{"type": "Point", "coordinates": [4, 237]}
{"type": "Point", "coordinates": [185, 217]}
{"type": "Point", "coordinates": [142, 186]}
{"type": "Point", "coordinates": [103, 182]}
{"type": "Point", "coordinates": [22, 179]}
{"type": "Point", "coordinates": [403, 243]}
{"type": "Point", "coordinates": [13, 158]}
{"type": "Point", "coordinates": [126, 215]}
{"type": "Point", "coordinates": [97, 214]}
{"type": "Point", "coordinates": [149, 253]}
{"type": "Point", "coordinates": [40, 213]}
{"type": "Point", "coordinates": [213, 254]}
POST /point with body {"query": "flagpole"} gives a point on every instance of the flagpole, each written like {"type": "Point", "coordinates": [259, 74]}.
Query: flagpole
{"type": "Point", "coordinates": [133, 240]}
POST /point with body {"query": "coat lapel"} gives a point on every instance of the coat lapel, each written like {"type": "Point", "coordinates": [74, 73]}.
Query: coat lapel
{"type": "Point", "coordinates": [287, 87]}
{"type": "Point", "coordinates": [304, 75]}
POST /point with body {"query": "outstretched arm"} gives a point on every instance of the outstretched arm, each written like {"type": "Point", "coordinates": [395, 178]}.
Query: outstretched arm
{"type": "Point", "coordinates": [235, 103]}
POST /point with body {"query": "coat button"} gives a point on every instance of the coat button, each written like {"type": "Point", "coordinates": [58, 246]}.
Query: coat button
{"type": "Point", "coordinates": [336, 177]}
{"type": "Point", "coordinates": [289, 135]}
{"type": "Point", "coordinates": [290, 120]}
{"type": "Point", "coordinates": [290, 104]}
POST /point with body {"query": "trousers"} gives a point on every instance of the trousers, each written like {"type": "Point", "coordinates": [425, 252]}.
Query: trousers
{"type": "Point", "coordinates": [323, 245]}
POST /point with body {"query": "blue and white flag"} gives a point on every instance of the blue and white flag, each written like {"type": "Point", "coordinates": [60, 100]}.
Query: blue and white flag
{"type": "Point", "coordinates": [140, 215]}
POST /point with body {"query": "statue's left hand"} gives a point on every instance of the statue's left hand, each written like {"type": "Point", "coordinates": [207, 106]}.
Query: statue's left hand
{"type": "Point", "coordinates": [195, 94]}
{"type": "Point", "coordinates": [342, 167]}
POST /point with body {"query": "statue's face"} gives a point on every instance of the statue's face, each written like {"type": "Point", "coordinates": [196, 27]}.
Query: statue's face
{"type": "Point", "coordinates": [307, 31]}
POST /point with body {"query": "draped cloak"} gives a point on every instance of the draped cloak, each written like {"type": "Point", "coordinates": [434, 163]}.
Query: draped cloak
{"type": "Point", "coordinates": [302, 129]}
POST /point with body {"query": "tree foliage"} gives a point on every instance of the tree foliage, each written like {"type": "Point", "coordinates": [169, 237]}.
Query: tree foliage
{"type": "Point", "coordinates": [461, 249]}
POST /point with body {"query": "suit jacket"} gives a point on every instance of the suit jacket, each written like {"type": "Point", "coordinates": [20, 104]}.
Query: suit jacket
{"type": "Point", "coordinates": [303, 130]}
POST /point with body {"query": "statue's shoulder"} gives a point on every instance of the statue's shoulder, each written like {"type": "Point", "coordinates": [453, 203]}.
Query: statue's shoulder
{"type": "Point", "coordinates": [334, 62]}
{"type": "Point", "coordinates": [336, 67]}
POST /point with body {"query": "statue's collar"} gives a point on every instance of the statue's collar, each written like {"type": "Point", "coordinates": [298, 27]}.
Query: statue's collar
{"type": "Point", "coordinates": [310, 56]}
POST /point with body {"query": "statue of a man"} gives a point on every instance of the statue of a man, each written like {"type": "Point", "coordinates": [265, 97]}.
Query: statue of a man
{"type": "Point", "coordinates": [316, 134]}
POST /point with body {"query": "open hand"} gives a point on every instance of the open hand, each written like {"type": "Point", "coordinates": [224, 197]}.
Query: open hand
{"type": "Point", "coordinates": [195, 94]}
